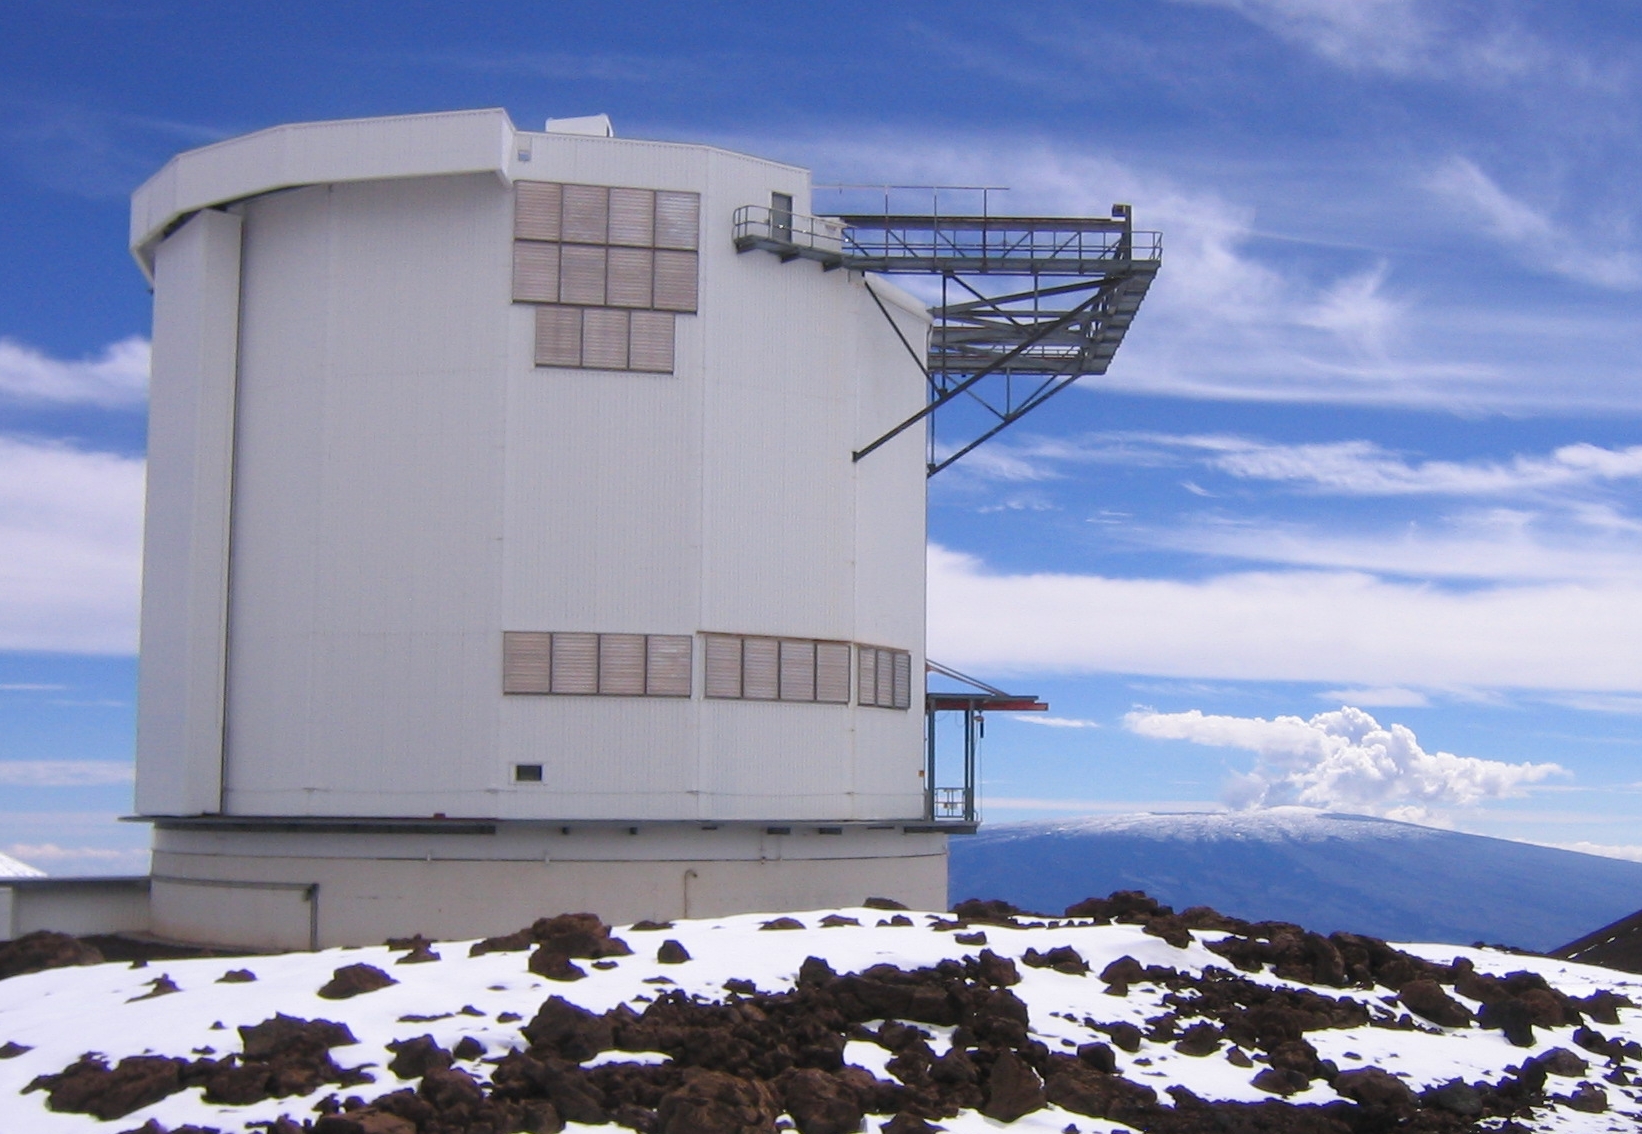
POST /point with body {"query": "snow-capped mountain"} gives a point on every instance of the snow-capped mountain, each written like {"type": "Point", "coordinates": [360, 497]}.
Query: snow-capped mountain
{"type": "Point", "coordinates": [1327, 872]}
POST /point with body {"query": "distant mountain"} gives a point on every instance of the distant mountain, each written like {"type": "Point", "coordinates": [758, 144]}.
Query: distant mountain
{"type": "Point", "coordinates": [1327, 872]}
{"type": "Point", "coordinates": [12, 868]}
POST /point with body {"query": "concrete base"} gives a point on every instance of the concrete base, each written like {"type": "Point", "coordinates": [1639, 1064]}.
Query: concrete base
{"type": "Point", "coordinates": [303, 885]}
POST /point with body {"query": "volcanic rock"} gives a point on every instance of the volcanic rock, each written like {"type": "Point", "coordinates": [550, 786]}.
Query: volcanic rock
{"type": "Point", "coordinates": [1012, 1089]}
{"type": "Point", "coordinates": [354, 980]}
{"type": "Point", "coordinates": [711, 1102]}
{"type": "Point", "coordinates": [1426, 998]}
{"type": "Point", "coordinates": [672, 953]}
{"type": "Point", "coordinates": [42, 950]}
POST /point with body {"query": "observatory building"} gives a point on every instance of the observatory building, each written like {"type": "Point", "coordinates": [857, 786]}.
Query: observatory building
{"type": "Point", "coordinates": [524, 536]}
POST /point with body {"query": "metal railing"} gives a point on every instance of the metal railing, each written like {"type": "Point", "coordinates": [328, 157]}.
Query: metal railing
{"type": "Point", "coordinates": [952, 803]}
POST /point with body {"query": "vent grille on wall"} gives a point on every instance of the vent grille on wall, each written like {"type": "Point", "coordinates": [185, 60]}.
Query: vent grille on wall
{"type": "Point", "coordinates": [608, 268]}
{"type": "Point", "coordinates": [586, 664]}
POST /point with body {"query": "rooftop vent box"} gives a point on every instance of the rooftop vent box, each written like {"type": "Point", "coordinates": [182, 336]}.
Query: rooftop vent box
{"type": "Point", "coordinates": [589, 125]}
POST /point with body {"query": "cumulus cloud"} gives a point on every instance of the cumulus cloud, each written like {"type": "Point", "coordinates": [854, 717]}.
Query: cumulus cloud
{"type": "Point", "coordinates": [64, 773]}
{"type": "Point", "coordinates": [115, 379]}
{"type": "Point", "coordinates": [1338, 627]}
{"type": "Point", "coordinates": [70, 548]}
{"type": "Point", "coordinates": [1343, 761]}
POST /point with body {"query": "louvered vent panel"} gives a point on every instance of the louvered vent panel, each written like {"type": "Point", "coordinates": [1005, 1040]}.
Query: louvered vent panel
{"type": "Point", "coordinates": [536, 210]}
{"type": "Point", "coordinates": [632, 217]}
{"type": "Point", "coordinates": [630, 277]}
{"type": "Point", "coordinates": [902, 692]}
{"type": "Point", "coordinates": [832, 672]}
{"type": "Point", "coordinates": [527, 662]}
{"type": "Point", "coordinates": [586, 214]}
{"type": "Point", "coordinates": [867, 676]}
{"type": "Point", "coordinates": [723, 664]}
{"type": "Point", "coordinates": [558, 336]}
{"type": "Point", "coordinates": [678, 220]}
{"type": "Point", "coordinates": [604, 338]}
{"type": "Point", "coordinates": [650, 340]}
{"type": "Point", "coordinates": [575, 663]}
{"type": "Point", "coordinates": [535, 271]}
{"type": "Point", "coordinates": [676, 281]}
{"type": "Point", "coordinates": [667, 670]}
{"type": "Point", "coordinates": [581, 275]}
{"type": "Point", "coordinates": [621, 664]}
{"type": "Point", "coordinates": [885, 693]}
{"type": "Point", "coordinates": [797, 670]}
{"type": "Point", "coordinates": [760, 668]}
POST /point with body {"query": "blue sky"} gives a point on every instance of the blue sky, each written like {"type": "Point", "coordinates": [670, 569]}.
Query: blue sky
{"type": "Point", "coordinates": [1371, 450]}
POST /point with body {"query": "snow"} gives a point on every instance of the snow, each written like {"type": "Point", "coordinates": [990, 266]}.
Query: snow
{"type": "Point", "coordinates": [63, 1013]}
{"type": "Point", "coordinates": [12, 868]}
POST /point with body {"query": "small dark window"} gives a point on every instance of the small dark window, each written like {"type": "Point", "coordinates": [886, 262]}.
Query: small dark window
{"type": "Point", "coordinates": [527, 773]}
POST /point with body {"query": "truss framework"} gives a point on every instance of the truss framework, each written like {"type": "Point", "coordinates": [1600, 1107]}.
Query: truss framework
{"type": "Point", "coordinates": [1028, 305]}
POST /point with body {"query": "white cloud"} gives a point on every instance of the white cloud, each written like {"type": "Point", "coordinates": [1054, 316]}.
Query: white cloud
{"type": "Point", "coordinates": [70, 548]}
{"type": "Point", "coordinates": [64, 773]}
{"type": "Point", "coordinates": [1391, 35]}
{"type": "Point", "coordinates": [1529, 234]}
{"type": "Point", "coordinates": [1388, 696]}
{"type": "Point", "coordinates": [115, 379]}
{"type": "Point", "coordinates": [1314, 626]}
{"type": "Point", "coordinates": [1604, 850]}
{"type": "Point", "coordinates": [1343, 760]}
{"type": "Point", "coordinates": [1054, 722]}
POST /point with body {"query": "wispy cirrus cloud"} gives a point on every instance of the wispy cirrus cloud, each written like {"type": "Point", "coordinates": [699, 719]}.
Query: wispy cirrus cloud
{"type": "Point", "coordinates": [65, 773]}
{"type": "Point", "coordinates": [115, 378]}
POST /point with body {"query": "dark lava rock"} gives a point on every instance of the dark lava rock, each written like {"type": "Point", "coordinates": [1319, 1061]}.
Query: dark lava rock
{"type": "Point", "coordinates": [1603, 1006]}
{"type": "Point", "coordinates": [468, 1049]}
{"type": "Point", "coordinates": [884, 904]}
{"type": "Point", "coordinates": [1012, 1089]}
{"type": "Point", "coordinates": [1589, 1098]}
{"type": "Point", "coordinates": [1098, 1056]}
{"type": "Point", "coordinates": [237, 976]}
{"type": "Point", "coordinates": [568, 1031]}
{"type": "Point", "coordinates": [1561, 1061]}
{"type": "Point", "coordinates": [648, 926]}
{"type": "Point", "coordinates": [1237, 1057]}
{"type": "Point", "coordinates": [712, 1102]}
{"type": "Point", "coordinates": [1370, 1086]}
{"type": "Point", "coordinates": [290, 1036]}
{"type": "Point", "coordinates": [905, 1123]}
{"type": "Point", "coordinates": [820, 1103]}
{"type": "Point", "coordinates": [782, 923]}
{"type": "Point", "coordinates": [1062, 958]}
{"type": "Point", "coordinates": [672, 953]}
{"type": "Point", "coordinates": [36, 952]}
{"type": "Point", "coordinates": [976, 938]}
{"type": "Point", "coordinates": [1278, 1081]}
{"type": "Point", "coordinates": [412, 1058]}
{"type": "Point", "coordinates": [1123, 972]}
{"type": "Point", "coordinates": [11, 1049]}
{"type": "Point", "coordinates": [1095, 1094]}
{"type": "Point", "coordinates": [578, 935]}
{"type": "Point", "coordinates": [1199, 1040]}
{"type": "Point", "coordinates": [161, 985]}
{"type": "Point", "coordinates": [554, 965]}
{"type": "Point", "coordinates": [1127, 1036]}
{"type": "Point", "coordinates": [421, 953]}
{"type": "Point", "coordinates": [837, 921]}
{"type": "Point", "coordinates": [1426, 998]}
{"type": "Point", "coordinates": [997, 912]}
{"type": "Point", "coordinates": [90, 1086]}
{"type": "Point", "coordinates": [1455, 1097]}
{"type": "Point", "coordinates": [1125, 905]}
{"type": "Point", "coordinates": [354, 980]}
{"type": "Point", "coordinates": [1512, 1017]}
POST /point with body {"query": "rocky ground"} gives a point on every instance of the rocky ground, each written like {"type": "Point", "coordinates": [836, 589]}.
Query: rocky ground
{"type": "Point", "coordinates": [1117, 1015]}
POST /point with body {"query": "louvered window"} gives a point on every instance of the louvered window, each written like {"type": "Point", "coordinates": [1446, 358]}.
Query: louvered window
{"type": "Point", "coordinates": [755, 668]}
{"type": "Point", "coordinates": [614, 264]}
{"type": "Point", "coordinates": [582, 663]}
{"type": "Point", "coordinates": [883, 677]}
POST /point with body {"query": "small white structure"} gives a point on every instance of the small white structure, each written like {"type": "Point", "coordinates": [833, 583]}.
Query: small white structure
{"type": "Point", "coordinates": [505, 553]}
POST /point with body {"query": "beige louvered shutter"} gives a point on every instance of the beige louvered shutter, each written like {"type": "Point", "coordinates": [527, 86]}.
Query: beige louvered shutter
{"type": "Point", "coordinates": [760, 668]}
{"type": "Point", "coordinates": [678, 220]}
{"type": "Point", "coordinates": [581, 275]}
{"type": "Point", "coordinates": [586, 214]}
{"type": "Point", "coordinates": [558, 336]}
{"type": "Point", "coordinates": [866, 690]}
{"type": "Point", "coordinates": [535, 272]}
{"type": "Point", "coordinates": [621, 664]}
{"type": "Point", "coordinates": [527, 662]}
{"type": "Point", "coordinates": [797, 670]}
{"type": "Point", "coordinates": [901, 693]}
{"type": "Point", "coordinates": [884, 695]}
{"type": "Point", "coordinates": [632, 217]}
{"type": "Point", "coordinates": [536, 210]}
{"type": "Point", "coordinates": [604, 339]}
{"type": "Point", "coordinates": [650, 341]}
{"type": "Point", "coordinates": [630, 279]}
{"type": "Point", "coordinates": [575, 663]}
{"type": "Point", "coordinates": [667, 669]}
{"type": "Point", "coordinates": [723, 665]}
{"type": "Point", "coordinates": [675, 281]}
{"type": "Point", "coordinates": [832, 672]}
